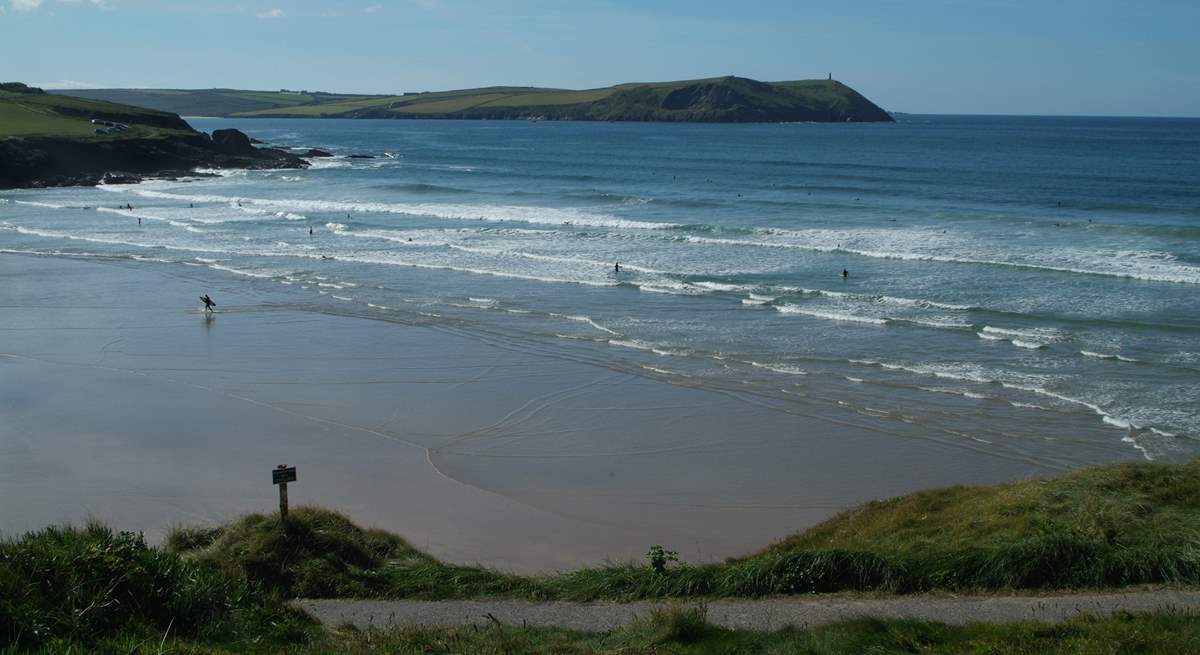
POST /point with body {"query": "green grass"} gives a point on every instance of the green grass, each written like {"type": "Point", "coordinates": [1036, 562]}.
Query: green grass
{"type": "Point", "coordinates": [341, 105]}
{"type": "Point", "coordinates": [452, 104]}
{"type": "Point", "coordinates": [684, 631]}
{"type": "Point", "coordinates": [551, 98]}
{"type": "Point", "coordinates": [77, 586]}
{"type": "Point", "coordinates": [41, 114]}
{"type": "Point", "coordinates": [712, 99]}
{"type": "Point", "coordinates": [274, 97]}
{"type": "Point", "coordinates": [221, 589]}
{"type": "Point", "coordinates": [1114, 526]}
{"type": "Point", "coordinates": [24, 120]}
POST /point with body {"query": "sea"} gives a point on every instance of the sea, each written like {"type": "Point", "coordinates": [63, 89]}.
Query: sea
{"type": "Point", "coordinates": [1018, 284]}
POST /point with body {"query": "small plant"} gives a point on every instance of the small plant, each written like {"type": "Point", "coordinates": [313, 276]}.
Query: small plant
{"type": "Point", "coordinates": [659, 557]}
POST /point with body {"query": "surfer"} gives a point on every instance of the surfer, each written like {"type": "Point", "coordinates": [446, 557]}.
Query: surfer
{"type": "Point", "coordinates": [845, 273]}
{"type": "Point", "coordinates": [617, 267]}
{"type": "Point", "coordinates": [310, 230]}
{"type": "Point", "coordinates": [208, 303]}
{"type": "Point", "coordinates": [139, 221]}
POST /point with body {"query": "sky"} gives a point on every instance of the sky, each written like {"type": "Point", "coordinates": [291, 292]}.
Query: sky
{"type": "Point", "coordinates": [1073, 57]}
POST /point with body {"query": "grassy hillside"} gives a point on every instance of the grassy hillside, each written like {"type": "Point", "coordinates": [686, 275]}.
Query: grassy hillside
{"type": "Point", "coordinates": [90, 590]}
{"type": "Point", "coordinates": [223, 589]}
{"type": "Point", "coordinates": [205, 102]}
{"type": "Point", "coordinates": [49, 140]}
{"type": "Point", "coordinates": [723, 99]}
{"type": "Point", "coordinates": [29, 112]}
{"type": "Point", "coordinates": [1112, 526]}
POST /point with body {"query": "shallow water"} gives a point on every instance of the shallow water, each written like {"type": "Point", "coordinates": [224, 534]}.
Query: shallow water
{"type": "Point", "coordinates": [1026, 287]}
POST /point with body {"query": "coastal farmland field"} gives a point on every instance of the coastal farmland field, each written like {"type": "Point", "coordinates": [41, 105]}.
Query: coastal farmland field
{"type": "Point", "coordinates": [720, 99]}
{"type": "Point", "coordinates": [32, 113]}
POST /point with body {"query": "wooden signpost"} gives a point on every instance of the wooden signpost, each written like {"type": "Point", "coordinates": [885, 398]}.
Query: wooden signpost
{"type": "Point", "coordinates": [281, 476]}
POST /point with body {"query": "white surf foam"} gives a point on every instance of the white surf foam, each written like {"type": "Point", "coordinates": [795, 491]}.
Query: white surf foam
{"type": "Point", "coordinates": [787, 370]}
{"type": "Point", "coordinates": [631, 343]}
{"type": "Point", "coordinates": [892, 244]}
{"type": "Point", "coordinates": [1122, 358]}
{"type": "Point", "coordinates": [721, 286]}
{"type": "Point", "coordinates": [1039, 334]}
{"type": "Point", "coordinates": [1027, 344]}
{"type": "Point", "coordinates": [581, 318]}
{"type": "Point", "coordinates": [828, 315]}
{"type": "Point", "coordinates": [460, 212]}
{"type": "Point", "coordinates": [151, 217]}
{"type": "Point", "coordinates": [34, 203]}
{"type": "Point", "coordinates": [239, 271]}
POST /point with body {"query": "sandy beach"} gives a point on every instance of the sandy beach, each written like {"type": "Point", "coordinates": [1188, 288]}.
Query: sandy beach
{"type": "Point", "coordinates": [122, 401]}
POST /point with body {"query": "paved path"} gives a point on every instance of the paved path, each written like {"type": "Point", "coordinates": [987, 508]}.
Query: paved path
{"type": "Point", "coordinates": [755, 614]}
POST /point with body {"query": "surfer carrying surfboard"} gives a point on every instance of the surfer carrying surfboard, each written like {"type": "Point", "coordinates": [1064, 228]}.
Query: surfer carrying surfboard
{"type": "Point", "coordinates": [208, 303]}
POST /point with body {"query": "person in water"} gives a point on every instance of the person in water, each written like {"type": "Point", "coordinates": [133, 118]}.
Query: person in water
{"type": "Point", "coordinates": [310, 230]}
{"type": "Point", "coordinates": [845, 273]}
{"type": "Point", "coordinates": [617, 267]}
{"type": "Point", "coordinates": [208, 303]}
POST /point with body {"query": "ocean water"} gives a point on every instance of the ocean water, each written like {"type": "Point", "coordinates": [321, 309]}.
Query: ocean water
{"type": "Point", "coordinates": [1012, 282]}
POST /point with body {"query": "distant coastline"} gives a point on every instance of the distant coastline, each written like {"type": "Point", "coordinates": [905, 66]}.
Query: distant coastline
{"type": "Point", "coordinates": [714, 100]}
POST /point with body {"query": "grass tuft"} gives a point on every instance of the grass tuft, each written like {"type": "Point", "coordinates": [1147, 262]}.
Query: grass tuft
{"type": "Point", "coordinates": [65, 584]}
{"type": "Point", "coordinates": [315, 553]}
{"type": "Point", "coordinates": [1114, 526]}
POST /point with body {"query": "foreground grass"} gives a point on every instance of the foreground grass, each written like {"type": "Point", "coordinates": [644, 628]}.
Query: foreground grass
{"type": "Point", "coordinates": [222, 590]}
{"type": "Point", "coordinates": [1111, 526]}
{"type": "Point", "coordinates": [64, 586]}
{"type": "Point", "coordinates": [685, 631]}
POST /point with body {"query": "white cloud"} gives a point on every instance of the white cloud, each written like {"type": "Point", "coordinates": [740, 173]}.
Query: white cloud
{"type": "Point", "coordinates": [273, 13]}
{"type": "Point", "coordinates": [30, 5]}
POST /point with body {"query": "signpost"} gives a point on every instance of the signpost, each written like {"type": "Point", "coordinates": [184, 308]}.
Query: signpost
{"type": "Point", "coordinates": [281, 476]}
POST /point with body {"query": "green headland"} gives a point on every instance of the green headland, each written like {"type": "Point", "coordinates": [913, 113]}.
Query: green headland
{"type": "Point", "coordinates": [57, 140]}
{"type": "Point", "coordinates": [224, 588]}
{"type": "Point", "coordinates": [719, 99]}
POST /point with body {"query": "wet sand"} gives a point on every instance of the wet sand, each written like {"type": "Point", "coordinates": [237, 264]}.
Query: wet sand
{"type": "Point", "coordinates": [120, 400]}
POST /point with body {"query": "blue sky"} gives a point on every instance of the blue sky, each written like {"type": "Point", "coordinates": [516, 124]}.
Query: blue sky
{"type": "Point", "coordinates": [1107, 57]}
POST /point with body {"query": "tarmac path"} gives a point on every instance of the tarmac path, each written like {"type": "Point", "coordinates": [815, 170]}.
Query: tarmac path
{"type": "Point", "coordinates": [762, 614]}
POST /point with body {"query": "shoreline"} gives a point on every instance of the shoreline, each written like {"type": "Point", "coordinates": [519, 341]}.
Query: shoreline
{"type": "Point", "coordinates": [476, 448]}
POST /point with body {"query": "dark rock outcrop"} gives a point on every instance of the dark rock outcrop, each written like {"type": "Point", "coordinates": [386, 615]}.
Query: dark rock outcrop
{"type": "Point", "coordinates": [232, 142]}
{"type": "Point", "coordinates": [315, 152]}
{"type": "Point", "coordinates": [51, 161]}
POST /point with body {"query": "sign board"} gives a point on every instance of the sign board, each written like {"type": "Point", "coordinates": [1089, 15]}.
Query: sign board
{"type": "Point", "coordinates": [283, 475]}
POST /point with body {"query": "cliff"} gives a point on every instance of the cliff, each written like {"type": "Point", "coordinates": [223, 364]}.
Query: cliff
{"type": "Point", "coordinates": [53, 140]}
